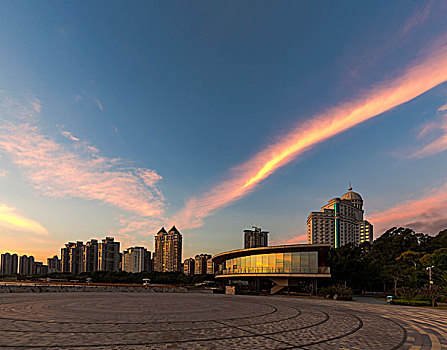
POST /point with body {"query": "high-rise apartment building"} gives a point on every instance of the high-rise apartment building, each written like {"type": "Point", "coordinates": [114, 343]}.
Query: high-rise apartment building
{"type": "Point", "coordinates": [8, 264]}
{"type": "Point", "coordinates": [26, 265]}
{"type": "Point", "coordinates": [136, 259]}
{"type": "Point", "coordinates": [211, 267]}
{"type": "Point", "coordinates": [255, 238]}
{"type": "Point", "coordinates": [189, 266]}
{"type": "Point", "coordinates": [39, 268]}
{"type": "Point", "coordinates": [200, 263]}
{"type": "Point", "coordinates": [90, 256]}
{"type": "Point", "coordinates": [340, 222]}
{"type": "Point", "coordinates": [93, 256]}
{"type": "Point", "coordinates": [54, 264]}
{"type": "Point", "coordinates": [109, 255]}
{"type": "Point", "coordinates": [76, 255]}
{"type": "Point", "coordinates": [168, 250]}
{"type": "Point", "coordinates": [65, 257]}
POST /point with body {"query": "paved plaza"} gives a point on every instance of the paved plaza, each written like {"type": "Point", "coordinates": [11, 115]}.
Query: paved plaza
{"type": "Point", "coordinates": [205, 321]}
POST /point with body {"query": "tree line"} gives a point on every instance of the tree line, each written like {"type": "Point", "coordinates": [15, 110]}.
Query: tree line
{"type": "Point", "coordinates": [398, 259]}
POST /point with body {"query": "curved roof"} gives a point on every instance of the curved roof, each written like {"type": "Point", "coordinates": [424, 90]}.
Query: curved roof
{"type": "Point", "coordinates": [219, 258]}
{"type": "Point", "coordinates": [351, 195]}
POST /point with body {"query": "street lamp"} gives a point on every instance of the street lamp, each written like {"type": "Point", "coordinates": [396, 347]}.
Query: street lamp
{"type": "Point", "coordinates": [414, 275]}
{"type": "Point", "coordinates": [429, 274]}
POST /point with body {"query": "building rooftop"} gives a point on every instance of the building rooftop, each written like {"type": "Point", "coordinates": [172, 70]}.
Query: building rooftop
{"type": "Point", "coordinates": [351, 195]}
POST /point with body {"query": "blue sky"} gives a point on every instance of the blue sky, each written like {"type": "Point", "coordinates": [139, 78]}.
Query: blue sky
{"type": "Point", "coordinates": [189, 91]}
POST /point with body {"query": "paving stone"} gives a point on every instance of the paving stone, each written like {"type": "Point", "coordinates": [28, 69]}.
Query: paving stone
{"type": "Point", "coordinates": [204, 321]}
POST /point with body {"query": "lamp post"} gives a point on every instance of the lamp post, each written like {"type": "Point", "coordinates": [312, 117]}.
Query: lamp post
{"type": "Point", "coordinates": [429, 268]}
{"type": "Point", "coordinates": [414, 274]}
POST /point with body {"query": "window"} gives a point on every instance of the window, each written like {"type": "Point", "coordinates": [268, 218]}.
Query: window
{"type": "Point", "coordinates": [287, 262]}
{"type": "Point", "coordinates": [272, 261]}
{"type": "Point", "coordinates": [265, 260]}
{"type": "Point", "coordinates": [258, 261]}
{"type": "Point", "coordinates": [296, 261]}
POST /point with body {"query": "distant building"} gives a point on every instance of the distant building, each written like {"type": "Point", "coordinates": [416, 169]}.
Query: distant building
{"type": "Point", "coordinates": [109, 255]}
{"type": "Point", "coordinates": [26, 265]}
{"type": "Point", "coordinates": [255, 238]}
{"type": "Point", "coordinates": [39, 268]}
{"type": "Point", "coordinates": [340, 222]}
{"type": "Point", "coordinates": [90, 256]}
{"type": "Point", "coordinates": [76, 255]}
{"type": "Point", "coordinates": [136, 259]}
{"type": "Point", "coordinates": [200, 264]}
{"type": "Point", "coordinates": [168, 250]}
{"type": "Point", "coordinates": [72, 257]}
{"type": "Point", "coordinates": [54, 264]}
{"type": "Point", "coordinates": [65, 257]}
{"type": "Point", "coordinates": [8, 264]}
{"type": "Point", "coordinates": [211, 267]}
{"type": "Point", "coordinates": [189, 266]}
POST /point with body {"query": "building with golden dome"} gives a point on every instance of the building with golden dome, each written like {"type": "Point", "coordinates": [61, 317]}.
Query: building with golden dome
{"type": "Point", "coordinates": [340, 222]}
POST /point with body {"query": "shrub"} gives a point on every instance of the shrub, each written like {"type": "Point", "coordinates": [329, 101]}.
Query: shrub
{"type": "Point", "coordinates": [342, 292]}
{"type": "Point", "coordinates": [412, 302]}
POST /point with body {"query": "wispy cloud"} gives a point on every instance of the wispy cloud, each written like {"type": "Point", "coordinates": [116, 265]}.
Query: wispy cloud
{"type": "Point", "coordinates": [439, 129]}
{"type": "Point", "coordinates": [419, 17]}
{"type": "Point", "coordinates": [98, 103]}
{"type": "Point", "coordinates": [301, 238]}
{"type": "Point", "coordinates": [116, 133]}
{"type": "Point", "coordinates": [75, 170]}
{"type": "Point", "coordinates": [417, 79]}
{"type": "Point", "coordinates": [426, 213]}
{"type": "Point", "coordinates": [9, 218]}
{"type": "Point", "coordinates": [69, 135]}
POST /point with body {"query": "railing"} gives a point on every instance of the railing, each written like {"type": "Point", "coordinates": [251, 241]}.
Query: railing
{"type": "Point", "coordinates": [269, 270]}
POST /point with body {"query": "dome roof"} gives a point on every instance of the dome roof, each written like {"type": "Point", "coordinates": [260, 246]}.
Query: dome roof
{"type": "Point", "coordinates": [351, 195]}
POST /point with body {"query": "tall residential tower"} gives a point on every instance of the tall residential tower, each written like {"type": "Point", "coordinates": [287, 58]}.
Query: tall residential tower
{"type": "Point", "coordinates": [168, 250]}
{"type": "Point", "coordinates": [255, 238]}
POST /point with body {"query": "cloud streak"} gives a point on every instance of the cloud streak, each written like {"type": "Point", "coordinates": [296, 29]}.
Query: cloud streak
{"type": "Point", "coordinates": [426, 213]}
{"type": "Point", "coordinates": [76, 169]}
{"type": "Point", "coordinates": [300, 239]}
{"type": "Point", "coordinates": [439, 143]}
{"type": "Point", "coordinates": [9, 218]}
{"type": "Point", "coordinates": [419, 17]}
{"type": "Point", "coordinates": [417, 79]}
{"type": "Point", "coordinates": [98, 103]}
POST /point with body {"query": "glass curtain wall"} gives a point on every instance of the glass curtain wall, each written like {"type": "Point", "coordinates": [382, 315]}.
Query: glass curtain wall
{"type": "Point", "coordinates": [294, 262]}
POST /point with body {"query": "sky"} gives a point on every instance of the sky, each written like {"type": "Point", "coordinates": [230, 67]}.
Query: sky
{"type": "Point", "coordinates": [119, 118]}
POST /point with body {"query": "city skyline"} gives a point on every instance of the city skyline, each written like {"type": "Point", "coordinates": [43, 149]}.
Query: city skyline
{"type": "Point", "coordinates": [115, 122]}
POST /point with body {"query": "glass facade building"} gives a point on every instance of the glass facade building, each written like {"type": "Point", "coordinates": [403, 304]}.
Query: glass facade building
{"type": "Point", "coordinates": [292, 262]}
{"type": "Point", "coordinates": [275, 260]}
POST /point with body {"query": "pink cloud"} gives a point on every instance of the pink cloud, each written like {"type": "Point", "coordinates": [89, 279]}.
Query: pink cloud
{"type": "Point", "coordinates": [439, 143]}
{"type": "Point", "coordinates": [426, 213]}
{"type": "Point", "coordinates": [59, 170]}
{"type": "Point", "coordinates": [417, 79]}
{"type": "Point", "coordinates": [294, 240]}
{"type": "Point", "coordinates": [69, 135]}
